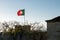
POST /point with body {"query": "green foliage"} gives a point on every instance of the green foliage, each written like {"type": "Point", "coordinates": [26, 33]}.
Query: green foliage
{"type": "Point", "coordinates": [25, 29]}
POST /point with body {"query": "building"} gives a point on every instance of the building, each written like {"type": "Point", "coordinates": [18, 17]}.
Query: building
{"type": "Point", "coordinates": [53, 28]}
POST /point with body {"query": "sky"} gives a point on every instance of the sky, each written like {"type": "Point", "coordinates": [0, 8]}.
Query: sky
{"type": "Point", "coordinates": [35, 10]}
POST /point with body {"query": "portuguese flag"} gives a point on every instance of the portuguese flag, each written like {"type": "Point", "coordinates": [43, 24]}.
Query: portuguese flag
{"type": "Point", "coordinates": [21, 12]}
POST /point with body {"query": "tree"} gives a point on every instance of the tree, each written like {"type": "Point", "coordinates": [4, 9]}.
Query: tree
{"type": "Point", "coordinates": [37, 26]}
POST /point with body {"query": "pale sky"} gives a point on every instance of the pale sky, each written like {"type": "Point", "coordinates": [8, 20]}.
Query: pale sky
{"type": "Point", "coordinates": [35, 10]}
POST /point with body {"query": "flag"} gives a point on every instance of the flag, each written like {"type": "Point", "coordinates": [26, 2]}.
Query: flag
{"type": "Point", "coordinates": [21, 12]}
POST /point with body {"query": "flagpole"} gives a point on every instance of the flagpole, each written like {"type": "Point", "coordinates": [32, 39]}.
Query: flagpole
{"type": "Point", "coordinates": [24, 16]}
{"type": "Point", "coordinates": [24, 19]}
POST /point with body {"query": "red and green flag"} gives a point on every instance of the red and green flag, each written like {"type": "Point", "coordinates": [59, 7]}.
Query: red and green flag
{"type": "Point", "coordinates": [21, 12]}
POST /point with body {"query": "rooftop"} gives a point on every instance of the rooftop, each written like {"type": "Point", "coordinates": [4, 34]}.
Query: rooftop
{"type": "Point", "coordinates": [56, 19]}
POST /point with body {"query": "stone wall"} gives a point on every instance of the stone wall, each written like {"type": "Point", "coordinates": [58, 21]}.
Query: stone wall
{"type": "Point", "coordinates": [53, 30]}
